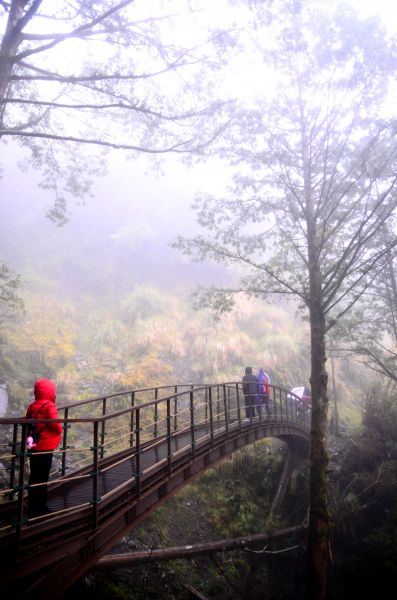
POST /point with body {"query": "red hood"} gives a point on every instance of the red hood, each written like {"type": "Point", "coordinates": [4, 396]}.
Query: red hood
{"type": "Point", "coordinates": [45, 389]}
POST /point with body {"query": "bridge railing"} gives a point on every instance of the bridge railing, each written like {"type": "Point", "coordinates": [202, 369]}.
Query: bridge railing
{"type": "Point", "coordinates": [147, 429]}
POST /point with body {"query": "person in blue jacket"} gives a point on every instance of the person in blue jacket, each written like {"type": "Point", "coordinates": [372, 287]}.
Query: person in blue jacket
{"type": "Point", "coordinates": [264, 392]}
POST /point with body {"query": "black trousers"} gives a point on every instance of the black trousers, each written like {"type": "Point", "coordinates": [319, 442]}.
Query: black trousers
{"type": "Point", "coordinates": [40, 466]}
{"type": "Point", "coordinates": [250, 405]}
{"type": "Point", "coordinates": [264, 400]}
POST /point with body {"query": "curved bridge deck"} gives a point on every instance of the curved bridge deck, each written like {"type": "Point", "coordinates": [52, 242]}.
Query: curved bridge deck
{"type": "Point", "coordinates": [131, 453]}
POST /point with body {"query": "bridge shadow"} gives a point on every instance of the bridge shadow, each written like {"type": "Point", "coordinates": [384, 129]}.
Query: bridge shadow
{"type": "Point", "coordinates": [154, 447]}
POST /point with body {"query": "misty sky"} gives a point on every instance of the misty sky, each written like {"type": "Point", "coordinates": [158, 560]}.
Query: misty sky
{"type": "Point", "coordinates": [144, 193]}
{"type": "Point", "coordinates": [132, 199]}
{"type": "Point", "coordinates": [123, 230]}
{"type": "Point", "coordinates": [386, 9]}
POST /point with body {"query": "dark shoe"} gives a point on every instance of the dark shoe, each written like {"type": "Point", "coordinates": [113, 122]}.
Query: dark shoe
{"type": "Point", "coordinates": [38, 512]}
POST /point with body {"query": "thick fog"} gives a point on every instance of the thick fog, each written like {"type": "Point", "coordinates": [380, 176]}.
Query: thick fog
{"type": "Point", "coordinates": [119, 236]}
{"type": "Point", "coordinates": [123, 230]}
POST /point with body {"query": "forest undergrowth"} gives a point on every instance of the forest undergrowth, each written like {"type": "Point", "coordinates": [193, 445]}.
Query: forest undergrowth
{"type": "Point", "coordinates": [149, 337]}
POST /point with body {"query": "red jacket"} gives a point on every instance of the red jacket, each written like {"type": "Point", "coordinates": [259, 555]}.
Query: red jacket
{"type": "Point", "coordinates": [44, 408]}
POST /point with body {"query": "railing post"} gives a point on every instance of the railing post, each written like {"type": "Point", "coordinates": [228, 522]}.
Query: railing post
{"type": "Point", "coordinates": [103, 432]}
{"type": "Point", "coordinates": [64, 441]}
{"type": "Point", "coordinates": [218, 408]}
{"type": "Point", "coordinates": [281, 405]}
{"type": "Point", "coordinates": [21, 488]}
{"type": "Point", "coordinates": [13, 459]}
{"type": "Point", "coordinates": [169, 452]}
{"type": "Point", "coordinates": [156, 412]}
{"type": "Point", "coordinates": [228, 402]}
{"type": "Point", "coordinates": [95, 464]}
{"type": "Point", "coordinates": [260, 405]}
{"type": "Point", "coordinates": [211, 416]}
{"type": "Point", "coordinates": [138, 453]}
{"type": "Point", "coordinates": [192, 424]}
{"type": "Point", "coordinates": [175, 409]}
{"type": "Point", "coordinates": [226, 411]}
{"type": "Point", "coordinates": [238, 406]}
{"type": "Point", "coordinates": [132, 420]}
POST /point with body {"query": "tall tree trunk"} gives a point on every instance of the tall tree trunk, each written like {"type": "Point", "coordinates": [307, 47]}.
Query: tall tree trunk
{"type": "Point", "coordinates": [335, 428]}
{"type": "Point", "coordinates": [393, 292]}
{"type": "Point", "coordinates": [17, 19]}
{"type": "Point", "coordinates": [319, 517]}
{"type": "Point", "coordinates": [282, 486]}
{"type": "Point", "coordinates": [8, 49]}
{"type": "Point", "coordinates": [390, 277]}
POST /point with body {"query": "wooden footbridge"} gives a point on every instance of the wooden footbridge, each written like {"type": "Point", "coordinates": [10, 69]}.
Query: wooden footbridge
{"type": "Point", "coordinates": [121, 456]}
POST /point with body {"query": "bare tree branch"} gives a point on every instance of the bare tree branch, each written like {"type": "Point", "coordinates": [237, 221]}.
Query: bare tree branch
{"type": "Point", "coordinates": [119, 105]}
{"type": "Point", "coordinates": [180, 147]}
{"type": "Point", "coordinates": [75, 33]}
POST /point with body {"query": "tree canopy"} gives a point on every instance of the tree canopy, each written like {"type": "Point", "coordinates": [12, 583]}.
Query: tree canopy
{"type": "Point", "coordinates": [314, 152]}
{"type": "Point", "coordinates": [103, 74]}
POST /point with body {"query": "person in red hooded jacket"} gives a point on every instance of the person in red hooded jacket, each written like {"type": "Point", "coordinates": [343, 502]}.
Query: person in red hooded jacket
{"type": "Point", "coordinates": [41, 455]}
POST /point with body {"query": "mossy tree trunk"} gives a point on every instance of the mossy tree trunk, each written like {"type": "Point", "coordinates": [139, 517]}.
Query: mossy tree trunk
{"type": "Point", "coordinates": [318, 515]}
{"type": "Point", "coordinates": [318, 518]}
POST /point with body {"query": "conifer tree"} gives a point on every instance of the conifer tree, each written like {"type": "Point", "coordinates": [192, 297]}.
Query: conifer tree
{"type": "Point", "coordinates": [314, 181]}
